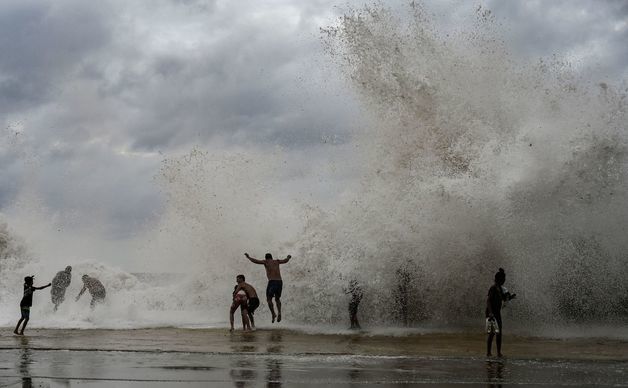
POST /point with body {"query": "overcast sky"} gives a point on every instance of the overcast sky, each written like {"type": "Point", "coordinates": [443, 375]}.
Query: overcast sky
{"type": "Point", "coordinates": [95, 94]}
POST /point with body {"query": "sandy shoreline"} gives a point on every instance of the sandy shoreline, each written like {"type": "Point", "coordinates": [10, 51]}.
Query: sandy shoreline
{"type": "Point", "coordinates": [272, 341]}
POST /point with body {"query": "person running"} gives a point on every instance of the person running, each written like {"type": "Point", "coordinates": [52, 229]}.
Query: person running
{"type": "Point", "coordinates": [26, 303]}
{"type": "Point", "coordinates": [275, 284]}
{"type": "Point", "coordinates": [356, 297]}
{"type": "Point", "coordinates": [239, 300]}
{"type": "Point", "coordinates": [251, 294]}
{"type": "Point", "coordinates": [96, 289]}
{"type": "Point", "coordinates": [496, 296]}
{"type": "Point", "coordinates": [60, 283]}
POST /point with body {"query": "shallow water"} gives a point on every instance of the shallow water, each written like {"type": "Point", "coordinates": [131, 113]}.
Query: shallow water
{"type": "Point", "coordinates": [108, 368]}
{"type": "Point", "coordinates": [191, 358]}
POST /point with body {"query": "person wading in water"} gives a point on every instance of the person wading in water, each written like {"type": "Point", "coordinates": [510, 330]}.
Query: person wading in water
{"type": "Point", "coordinates": [275, 284]}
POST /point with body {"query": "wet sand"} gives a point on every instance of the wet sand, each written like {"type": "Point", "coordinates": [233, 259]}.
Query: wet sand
{"type": "Point", "coordinates": [197, 357]}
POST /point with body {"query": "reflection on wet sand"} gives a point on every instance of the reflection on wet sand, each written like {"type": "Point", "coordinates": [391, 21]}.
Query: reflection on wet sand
{"type": "Point", "coordinates": [25, 362]}
{"type": "Point", "coordinates": [274, 373]}
{"type": "Point", "coordinates": [243, 373]}
{"type": "Point", "coordinates": [275, 342]}
{"type": "Point", "coordinates": [244, 342]}
{"type": "Point", "coordinates": [273, 365]}
{"type": "Point", "coordinates": [355, 373]}
{"type": "Point", "coordinates": [494, 373]}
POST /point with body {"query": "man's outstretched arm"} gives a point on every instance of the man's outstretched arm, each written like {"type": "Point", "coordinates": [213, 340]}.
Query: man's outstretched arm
{"type": "Point", "coordinates": [42, 287]}
{"type": "Point", "coordinates": [253, 260]}
{"type": "Point", "coordinates": [81, 293]}
{"type": "Point", "coordinates": [284, 261]}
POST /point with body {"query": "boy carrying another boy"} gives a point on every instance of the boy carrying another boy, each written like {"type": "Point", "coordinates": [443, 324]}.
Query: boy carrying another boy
{"type": "Point", "coordinates": [27, 302]}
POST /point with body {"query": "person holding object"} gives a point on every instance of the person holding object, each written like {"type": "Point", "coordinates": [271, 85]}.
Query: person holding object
{"type": "Point", "coordinates": [27, 302]}
{"type": "Point", "coordinates": [275, 283]}
{"type": "Point", "coordinates": [239, 300]}
{"type": "Point", "coordinates": [496, 296]}
{"type": "Point", "coordinates": [251, 295]}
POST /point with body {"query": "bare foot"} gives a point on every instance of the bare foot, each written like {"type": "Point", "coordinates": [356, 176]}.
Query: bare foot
{"type": "Point", "coordinates": [274, 316]}
{"type": "Point", "coordinates": [15, 332]}
{"type": "Point", "coordinates": [279, 318]}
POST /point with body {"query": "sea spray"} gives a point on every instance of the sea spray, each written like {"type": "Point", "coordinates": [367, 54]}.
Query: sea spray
{"type": "Point", "coordinates": [473, 160]}
{"type": "Point", "coordinates": [469, 158]}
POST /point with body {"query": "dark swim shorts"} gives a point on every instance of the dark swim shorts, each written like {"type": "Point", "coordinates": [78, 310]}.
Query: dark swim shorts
{"type": "Point", "coordinates": [273, 290]}
{"type": "Point", "coordinates": [26, 312]}
{"type": "Point", "coordinates": [253, 305]}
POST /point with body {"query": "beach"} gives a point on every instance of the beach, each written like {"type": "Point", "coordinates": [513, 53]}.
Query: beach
{"type": "Point", "coordinates": [173, 357]}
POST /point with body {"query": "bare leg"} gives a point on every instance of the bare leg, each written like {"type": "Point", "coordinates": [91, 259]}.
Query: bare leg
{"type": "Point", "coordinates": [246, 325]}
{"type": "Point", "coordinates": [17, 326]}
{"type": "Point", "coordinates": [278, 301]}
{"type": "Point", "coordinates": [272, 308]}
{"type": "Point", "coordinates": [23, 326]}
{"type": "Point", "coordinates": [252, 320]}
{"type": "Point", "coordinates": [499, 338]}
{"type": "Point", "coordinates": [231, 319]}
{"type": "Point", "coordinates": [489, 344]}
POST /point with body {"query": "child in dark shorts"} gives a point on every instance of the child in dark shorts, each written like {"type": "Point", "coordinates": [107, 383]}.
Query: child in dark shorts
{"type": "Point", "coordinates": [26, 303]}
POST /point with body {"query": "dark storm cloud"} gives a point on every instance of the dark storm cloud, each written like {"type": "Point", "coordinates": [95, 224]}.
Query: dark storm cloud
{"type": "Point", "coordinates": [101, 88]}
{"type": "Point", "coordinates": [41, 42]}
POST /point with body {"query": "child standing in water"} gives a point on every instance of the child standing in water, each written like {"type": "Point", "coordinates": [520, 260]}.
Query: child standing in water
{"type": "Point", "coordinates": [496, 296]}
{"type": "Point", "coordinates": [27, 302]}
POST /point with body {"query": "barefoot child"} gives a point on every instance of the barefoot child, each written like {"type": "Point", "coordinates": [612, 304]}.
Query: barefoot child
{"type": "Point", "coordinates": [240, 300]}
{"type": "Point", "coordinates": [27, 302]}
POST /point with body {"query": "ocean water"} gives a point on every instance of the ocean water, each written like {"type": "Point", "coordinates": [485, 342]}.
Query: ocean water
{"type": "Point", "coordinates": [191, 358]}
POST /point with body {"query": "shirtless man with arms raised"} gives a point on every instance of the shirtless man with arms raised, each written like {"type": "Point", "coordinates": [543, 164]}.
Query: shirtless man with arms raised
{"type": "Point", "coordinates": [275, 284]}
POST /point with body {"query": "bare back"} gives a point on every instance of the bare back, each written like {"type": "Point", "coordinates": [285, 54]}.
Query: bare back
{"type": "Point", "coordinates": [272, 269]}
{"type": "Point", "coordinates": [249, 290]}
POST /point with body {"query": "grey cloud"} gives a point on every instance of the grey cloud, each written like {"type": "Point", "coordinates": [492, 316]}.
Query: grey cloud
{"type": "Point", "coordinates": [92, 78]}
{"type": "Point", "coordinates": [559, 27]}
{"type": "Point", "coordinates": [41, 42]}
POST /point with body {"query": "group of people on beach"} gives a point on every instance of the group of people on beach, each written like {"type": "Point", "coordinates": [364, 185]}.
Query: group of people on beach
{"type": "Point", "coordinates": [245, 297]}
{"type": "Point", "coordinates": [59, 285]}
